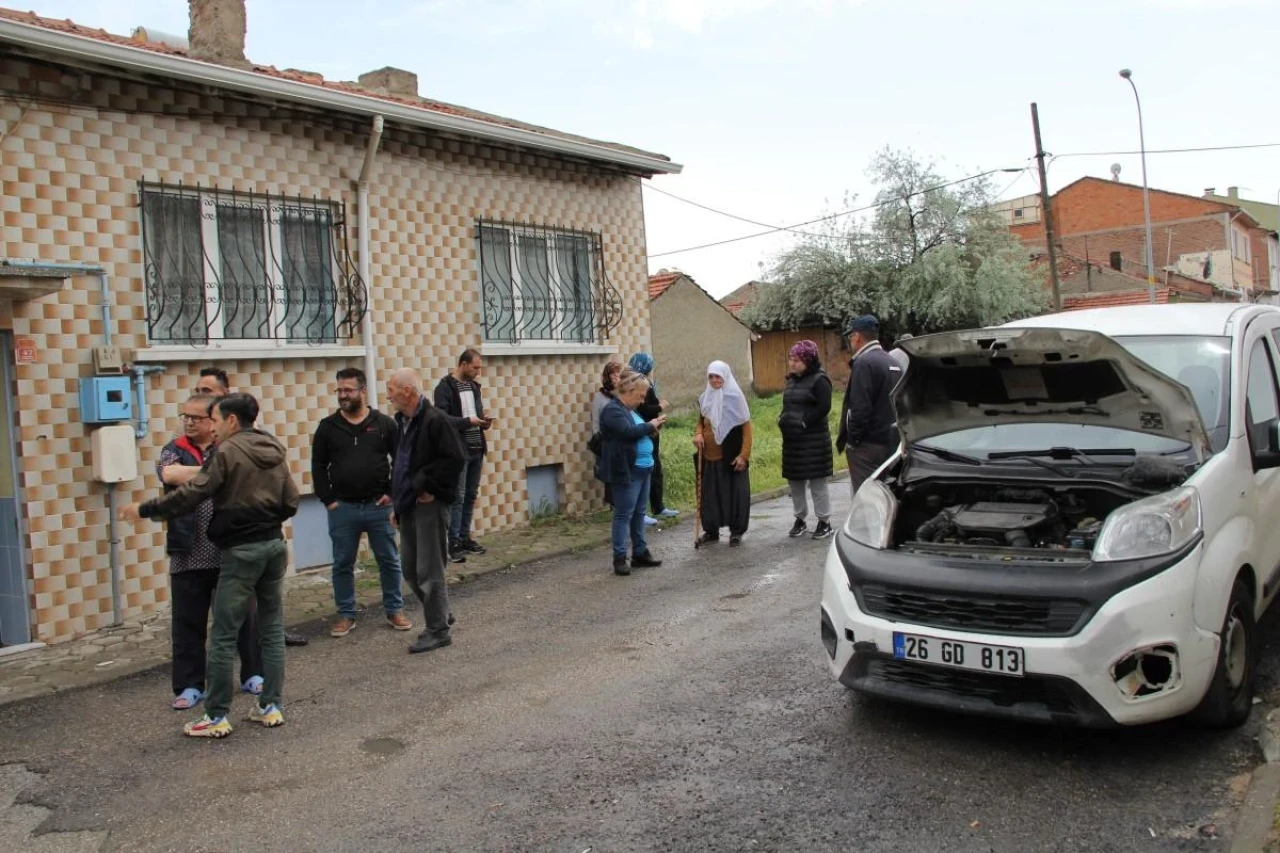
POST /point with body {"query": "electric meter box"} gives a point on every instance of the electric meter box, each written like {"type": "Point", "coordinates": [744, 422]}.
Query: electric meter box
{"type": "Point", "coordinates": [105, 400]}
{"type": "Point", "coordinates": [115, 454]}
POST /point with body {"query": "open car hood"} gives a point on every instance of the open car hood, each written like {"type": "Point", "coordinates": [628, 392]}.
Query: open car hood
{"type": "Point", "coordinates": [975, 378]}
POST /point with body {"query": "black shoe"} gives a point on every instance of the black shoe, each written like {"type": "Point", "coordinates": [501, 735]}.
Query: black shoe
{"type": "Point", "coordinates": [823, 530]}
{"type": "Point", "coordinates": [644, 561]}
{"type": "Point", "coordinates": [451, 621]}
{"type": "Point", "coordinates": [430, 644]}
{"type": "Point", "coordinates": [471, 546]}
{"type": "Point", "coordinates": [620, 566]}
{"type": "Point", "coordinates": [456, 555]}
{"type": "Point", "coordinates": [708, 538]}
{"type": "Point", "coordinates": [799, 528]}
{"type": "Point", "coordinates": [735, 540]}
{"type": "Point", "coordinates": [295, 639]}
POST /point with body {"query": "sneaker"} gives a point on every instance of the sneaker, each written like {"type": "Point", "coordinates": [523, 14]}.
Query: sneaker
{"type": "Point", "coordinates": [669, 513]}
{"type": "Point", "coordinates": [399, 621]}
{"type": "Point", "coordinates": [644, 561]}
{"type": "Point", "coordinates": [471, 546]}
{"type": "Point", "coordinates": [620, 566]}
{"type": "Point", "coordinates": [799, 528]}
{"type": "Point", "coordinates": [269, 716]}
{"type": "Point", "coordinates": [208, 726]}
{"type": "Point", "coordinates": [650, 520]}
{"type": "Point", "coordinates": [456, 556]}
{"type": "Point", "coordinates": [823, 530]}
{"type": "Point", "coordinates": [342, 627]}
{"type": "Point", "coordinates": [430, 644]}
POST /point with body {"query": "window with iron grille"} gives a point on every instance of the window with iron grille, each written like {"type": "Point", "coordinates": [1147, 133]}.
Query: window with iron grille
{"type": "Point", "coordinates": [237, 266]}
{"type": "Point", "coordinates": [544, 284]}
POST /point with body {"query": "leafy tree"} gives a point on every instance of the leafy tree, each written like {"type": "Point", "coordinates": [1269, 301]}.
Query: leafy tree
{"type": "Point", "coordinates": [932, 257]}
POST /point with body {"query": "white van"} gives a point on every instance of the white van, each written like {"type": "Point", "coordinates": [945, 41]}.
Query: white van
{"type": "Point", "coordinates": [1082, 524]}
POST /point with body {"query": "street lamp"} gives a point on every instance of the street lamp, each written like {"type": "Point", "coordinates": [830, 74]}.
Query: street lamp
{"type": "Point", "coordinates": [1146, 194]}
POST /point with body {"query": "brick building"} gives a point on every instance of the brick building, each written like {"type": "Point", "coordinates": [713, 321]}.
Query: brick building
{"type": "Point", "coordinates": [201, 209]}
{"type": "Point", "coordinates": [1100, 221]}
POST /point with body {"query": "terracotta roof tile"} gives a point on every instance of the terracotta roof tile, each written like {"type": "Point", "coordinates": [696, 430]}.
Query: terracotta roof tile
{"type": "Point", "coordinates": [659, 283]}
{"type": "Point", "coordinates": [312, 79]}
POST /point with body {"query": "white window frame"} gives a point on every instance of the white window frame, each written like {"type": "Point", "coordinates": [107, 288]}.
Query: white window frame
{"type": "Point", "coordinates": [273, 209]}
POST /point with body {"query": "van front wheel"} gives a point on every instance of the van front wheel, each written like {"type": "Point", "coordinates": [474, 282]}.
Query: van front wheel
{"type": "Point", "coordinates": [1230, 696]}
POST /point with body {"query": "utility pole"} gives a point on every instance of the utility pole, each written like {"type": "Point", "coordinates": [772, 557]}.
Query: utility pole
{"type": "Point", "coordinates": [1045, 213]}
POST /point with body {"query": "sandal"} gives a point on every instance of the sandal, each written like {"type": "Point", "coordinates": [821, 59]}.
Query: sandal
{"type": "Point", "coordinates": [188, 699]}
{"type": "Point", "coordinates": [253, 685]}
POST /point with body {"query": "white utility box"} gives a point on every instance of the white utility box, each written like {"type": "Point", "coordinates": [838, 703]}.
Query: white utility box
{"type": "Point", "coordinates": [115, 454]}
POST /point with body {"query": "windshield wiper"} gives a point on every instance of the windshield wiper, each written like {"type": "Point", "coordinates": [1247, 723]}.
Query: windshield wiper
{"type": "Point", "coordinates": [949, 455]}
{"type": "Point", "coordinates": [1065, 453]}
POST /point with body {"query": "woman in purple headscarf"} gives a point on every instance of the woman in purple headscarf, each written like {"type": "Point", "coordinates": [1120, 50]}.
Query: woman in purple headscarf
{"type": "Point", "coordinates": [806, 438]}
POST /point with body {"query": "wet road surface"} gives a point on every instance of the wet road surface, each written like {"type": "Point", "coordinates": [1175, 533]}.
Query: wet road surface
{"type": "Point", "coordinates": [686, 708]}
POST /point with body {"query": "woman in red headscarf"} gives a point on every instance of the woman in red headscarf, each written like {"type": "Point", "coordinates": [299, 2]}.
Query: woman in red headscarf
{"type": "Point", "coordinates": [806, 438]}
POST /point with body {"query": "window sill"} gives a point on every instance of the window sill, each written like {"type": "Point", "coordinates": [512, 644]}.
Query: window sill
{"type": "Point", "coordinates": [498, 348]}
{"type": "Point", "coordinates": [228, 352]}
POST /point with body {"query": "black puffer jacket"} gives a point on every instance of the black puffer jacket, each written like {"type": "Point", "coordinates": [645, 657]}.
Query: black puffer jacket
{"type": "Point", "coordinates": [806, 437]}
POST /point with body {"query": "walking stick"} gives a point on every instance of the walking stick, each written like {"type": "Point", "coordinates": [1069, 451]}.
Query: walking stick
{"type": "Point", "coordinates": [697, 490]}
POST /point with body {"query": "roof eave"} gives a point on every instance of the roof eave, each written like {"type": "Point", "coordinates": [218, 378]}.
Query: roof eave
{"type": "Point", "coordinates": [208, 73]}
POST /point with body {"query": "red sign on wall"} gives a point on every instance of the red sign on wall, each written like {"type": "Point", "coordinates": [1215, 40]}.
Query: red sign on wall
{"type": "Point", "coordinates": [28, 353]}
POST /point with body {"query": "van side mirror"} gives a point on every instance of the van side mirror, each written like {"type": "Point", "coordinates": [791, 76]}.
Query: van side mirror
{"type": "Point", "coordinates": [1270, 458]}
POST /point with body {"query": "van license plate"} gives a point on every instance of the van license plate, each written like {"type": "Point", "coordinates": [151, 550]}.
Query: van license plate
{"type": "Point", "coordinates": [979, 657]}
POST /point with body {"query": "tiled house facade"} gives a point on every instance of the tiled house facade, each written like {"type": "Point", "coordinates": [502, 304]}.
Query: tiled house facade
{"type": "Point", "coordinates": [73, 156]}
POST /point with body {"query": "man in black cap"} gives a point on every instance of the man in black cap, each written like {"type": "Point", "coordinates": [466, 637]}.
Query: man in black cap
{"type": "Point", "coordinates": [868, 427]}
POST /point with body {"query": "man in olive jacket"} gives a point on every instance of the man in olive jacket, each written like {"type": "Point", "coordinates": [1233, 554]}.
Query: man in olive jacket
{"type": "Point", "coordinates": [253, 493]}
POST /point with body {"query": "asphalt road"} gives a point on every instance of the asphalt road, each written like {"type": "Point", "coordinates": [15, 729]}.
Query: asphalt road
{"type": "Point", "coordinates": [686, 708]}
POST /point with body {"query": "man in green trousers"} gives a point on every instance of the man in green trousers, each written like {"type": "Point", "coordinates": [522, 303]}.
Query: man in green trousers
{"type": "Point", "coordinates": [253, 493]}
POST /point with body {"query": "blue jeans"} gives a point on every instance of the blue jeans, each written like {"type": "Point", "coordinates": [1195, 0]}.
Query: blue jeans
{"type": "Point", "coordinates": [629, 503]}
{"type": "Point", "coordinates": [346, 522]}
{"type": "Point", "coordinates": [461, 511]}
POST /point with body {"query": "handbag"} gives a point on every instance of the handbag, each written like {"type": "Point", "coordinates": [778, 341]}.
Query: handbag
{"type": "Point", "coordinates": [596, 443]}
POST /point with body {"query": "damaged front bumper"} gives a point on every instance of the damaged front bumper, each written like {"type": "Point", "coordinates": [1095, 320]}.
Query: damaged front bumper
{"type": "Point", "coordinates": [1132, 655]}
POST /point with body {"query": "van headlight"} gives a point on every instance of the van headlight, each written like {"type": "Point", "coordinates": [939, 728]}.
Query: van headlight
{"type": "Point", "coordinates": [1150, 527]}
{"type": "Point", "coordinates": [871, 518]}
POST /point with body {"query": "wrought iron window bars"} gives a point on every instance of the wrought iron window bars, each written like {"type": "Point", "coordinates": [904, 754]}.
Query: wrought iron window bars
{"type": "Point", "coordinates": [235, 265]}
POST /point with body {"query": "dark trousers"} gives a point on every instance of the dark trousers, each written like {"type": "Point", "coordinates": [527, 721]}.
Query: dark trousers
{"type": "Point", "coordinates": [192, 597]}
{"type": "Point", "coordinates": [424, 552]}
{"type": "Point", "coordinates": [656, 504]}
{"type": "Point", "coordinates": [864, 459]}
{"type": "Point", "coordinates": [726, 498]}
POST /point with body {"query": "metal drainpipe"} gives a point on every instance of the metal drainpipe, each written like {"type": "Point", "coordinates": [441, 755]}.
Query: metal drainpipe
{"type": "Point", "coordinates": [362, 249]}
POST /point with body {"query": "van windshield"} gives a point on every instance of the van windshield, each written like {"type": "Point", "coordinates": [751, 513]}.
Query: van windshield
{"type": "Point", "coordinates": [1203, 364]}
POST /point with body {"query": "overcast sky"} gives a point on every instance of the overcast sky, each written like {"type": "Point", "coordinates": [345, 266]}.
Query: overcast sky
{"type": "Point", "coordinates": [775, 107]}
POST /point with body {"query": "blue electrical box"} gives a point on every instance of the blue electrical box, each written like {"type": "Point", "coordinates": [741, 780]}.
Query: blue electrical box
{"type": "Point", "coordinates": [105, 400]}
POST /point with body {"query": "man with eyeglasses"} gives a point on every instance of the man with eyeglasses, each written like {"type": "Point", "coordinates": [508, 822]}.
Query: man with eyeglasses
{"type": "Point", "coordinates": [351, 457]}
{"type": "Point", "coordinates": [193, 565]}
{"type": "Point", "coordinates": [215, 382]}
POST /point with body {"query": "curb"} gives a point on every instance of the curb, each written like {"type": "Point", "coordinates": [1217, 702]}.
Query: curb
{"type": "Point", "coordinates": [1258, 811]}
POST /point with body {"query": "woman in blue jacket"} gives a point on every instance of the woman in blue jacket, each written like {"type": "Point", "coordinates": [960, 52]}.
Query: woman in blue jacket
{"type": "Point", "coordinates": [626, 464]}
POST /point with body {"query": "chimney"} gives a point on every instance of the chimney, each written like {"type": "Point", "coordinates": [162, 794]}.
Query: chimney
{"type": "Point", "coordinates": [391, 81]}
{"type": "Point", "coordinates": [1210, 190]}
{"type": "Point", "coordinates": [1233, 192]}
{"type": "Point", "coordinates": [217, 31]}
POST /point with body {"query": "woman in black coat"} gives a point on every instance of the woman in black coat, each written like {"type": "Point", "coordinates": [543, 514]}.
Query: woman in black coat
{"type": "Point", "coordinates": [806, 438]}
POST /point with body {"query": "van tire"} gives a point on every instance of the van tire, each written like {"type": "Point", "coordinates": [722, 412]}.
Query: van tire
{"type": "Point", "coordinates": [1230, 696]}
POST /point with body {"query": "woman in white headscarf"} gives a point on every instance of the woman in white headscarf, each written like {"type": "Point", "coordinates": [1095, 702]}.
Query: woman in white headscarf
{"type": "Point", "coordinates": [723, 435]}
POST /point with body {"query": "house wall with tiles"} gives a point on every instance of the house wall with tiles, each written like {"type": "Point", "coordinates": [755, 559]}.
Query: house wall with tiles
{"type": "Point", "coordinates": [69, 192]}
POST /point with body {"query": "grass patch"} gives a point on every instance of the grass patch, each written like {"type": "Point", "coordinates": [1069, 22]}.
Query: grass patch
{"type": "Point", "coordinates": [766, 449]}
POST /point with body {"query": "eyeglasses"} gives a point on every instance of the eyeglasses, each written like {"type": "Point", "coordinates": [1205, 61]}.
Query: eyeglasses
{"type": "Point", "coordinates": [347, 392]}
{"type": "Point", "coordinates": [194, 419]}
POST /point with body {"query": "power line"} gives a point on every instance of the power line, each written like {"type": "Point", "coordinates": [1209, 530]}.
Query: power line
{"type": "Point", "coordinates": [650, 186]}
{"type": "Point", "coordinates": [775, 230]}
{"type": "Point", "coordinates": [1165, 150]}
